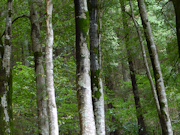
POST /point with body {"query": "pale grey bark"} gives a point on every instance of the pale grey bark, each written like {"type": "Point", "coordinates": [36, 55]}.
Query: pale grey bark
{"type": "Point", "coordinates": [5, 77]}
{"type": "Point", "coordinates": [96, 81]}
{"type": "Point", "coordinates": [43, 124]}
{"type": "Point", "coordinates": [26, 52]}
{"type": "Point", "coordinates": [83, 81]}
{"type": "Point", "coordinates": [165, 119]}
{"type": "Point", "coordinates": [153, 88]}
{"type": "Point", "coordinates": [53, 117]}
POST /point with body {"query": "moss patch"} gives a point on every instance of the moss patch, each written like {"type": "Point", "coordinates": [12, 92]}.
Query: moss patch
{"type": "Point", "coordinates": [7, 42]}
{"type": "Point", "coordinates": [97, 94]}
{"type": "Point", "coordinates": [96, 80]}
{"type": "Point", "coordinates": [83, 24]}
{"type": "Point", "coordinates": [157, 76]}
{"type": "Point", "coordinates": [38, 54]}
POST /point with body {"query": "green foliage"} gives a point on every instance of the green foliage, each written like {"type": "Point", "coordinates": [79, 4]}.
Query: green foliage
{"type": "Point", "coordinates": [123, 114]}
{"type": "Point", "coordinates": [119, 101]}
{"type": "Point", "coordinates": [114, 55]}
{"type": "Point", "coordinates": [173, 95]}
{"type": "Point", "coordinates": [24, 99]}
{"type": "Point", "coordinates": [64, 79]}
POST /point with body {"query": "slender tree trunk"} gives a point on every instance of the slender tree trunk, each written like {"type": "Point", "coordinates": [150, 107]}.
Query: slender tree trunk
{"type": "Point", "coordinates": [54, 129]}
{"type": "Point", "coordinates": [99, 23]}
{"type": "Point", "coordinates": [124, 72]}
{"type": "Point", "coordinates": [6, 127]}
{"type": "Point", "coordinates": [43, 124]}
{"type": "Point", "coordinates": [153, 88]}
{"type": "Point", "coordinates": [96, 81]}
{"type": "Point", "coordinates": [176, 4]}
{"type": "Point", "coordinates": [140, 118]}
{"type": "Point", "coordinates": [26, 52]}
{"type": "Point", "coordinates": [83, 81]}
{"type": "Point", "coordinates": [165, 119]}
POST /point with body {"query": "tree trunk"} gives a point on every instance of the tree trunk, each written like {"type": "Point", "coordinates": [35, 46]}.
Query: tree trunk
{"type": "Point", "coordinates": [83, 81]}
{"type": "Point", "coordinates": [176, 4]}
{"type": "Point", "coordinates": [25, 52]}
{"type": "Point", "coordinates": [54, 129]}
{"type": "Point", "coordinates": [96, 81]}
{"type": "Point", "coordinates": [165, 119]}
{"type": "Point", "coordinates": [140, 118]}
{"type": "Point", "coordinates": [6, 127]}
{"type": "Point", "coordinates": [124, 72]}
{"type": "Point", "coordinates": [43, 124]}
{"type": "Point", "coordinates": [145, 61]}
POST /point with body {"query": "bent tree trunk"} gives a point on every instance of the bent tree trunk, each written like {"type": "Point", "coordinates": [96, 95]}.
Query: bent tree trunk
{"type": "Point", "coordinates": [96, 81]}
{"type": "Point", "coordinates": [43, 124]}
{"type": "Point", "coordinates": [83, 81]}
{"type": "Point", "coordinates": [53, 118]}
{"type": "Point", "coordinates": [6, 127]}
{"type": "Point", "coordinates": [176, 4]}
{"type": "Point", "coordinates": [153, 88]}
{"type": "Point", "coordinates": [139, 113]}
{"type": "Point", "coordinates": [164, 119]}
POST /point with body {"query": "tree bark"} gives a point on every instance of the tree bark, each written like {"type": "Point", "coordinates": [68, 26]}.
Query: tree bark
{"type": "Point", "coordinates": [96, 81]}
{"type": "Point", "coordinates": [153, 88]}
{"type": "Point", "coordinates": [176, 4]}
{"type": "Point", "coordinates": [124, 72]}
{"type": "Point", "coordinates": [139, 113]}
{"type": "Point", "coordinates": [165, 119]}
{"type": "Point", "coordinates": [53, 117]}
{"type": "Point", "coordinates": [83, 81]}
{"type": "Point", "coordinates": [6, 127]}
{"type": "Point", "coordinates": [43, 124]}
{"type": "Point", "coordinates": [26, 52]}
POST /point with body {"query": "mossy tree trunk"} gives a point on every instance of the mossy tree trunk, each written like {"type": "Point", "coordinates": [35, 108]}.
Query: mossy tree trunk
{"type": "Point", "coordinates": [176, 4]}
{"type": "Point", "coordinates": [53, 117]}
{"type": "Point", "coordinates": [83, 81]}
{"type": "Point", "coordinates": [96, 81]}
{"type": "Point", "coordinates": [43, 124]}
{"type": "Point", "coordinates": [164, 119]}
{"type": "Point", "coordinates": [139, 113]}
{"type": "Point", "coordinates": [6, 126]}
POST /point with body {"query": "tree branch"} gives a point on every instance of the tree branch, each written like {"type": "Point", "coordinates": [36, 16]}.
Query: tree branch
{"type": "Point", "coordinates": [166, 18]}
{"type": "Point", "coordinates": [14, 21]}
{"type": "Point", "coordinates": [20, 17]}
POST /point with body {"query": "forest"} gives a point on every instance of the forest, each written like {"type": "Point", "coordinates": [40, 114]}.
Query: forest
{"type": "Point", "coordinates": [89, 67]}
